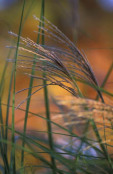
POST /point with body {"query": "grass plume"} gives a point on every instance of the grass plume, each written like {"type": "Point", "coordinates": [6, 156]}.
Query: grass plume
{"type": "Point", "coordinates": [85, 126]}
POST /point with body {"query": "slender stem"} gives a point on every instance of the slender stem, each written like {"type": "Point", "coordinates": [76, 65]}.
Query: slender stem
{"type": "Point", "coordinates": [106, 154]}
{"type": "Point", "coordinates": [2, 145]}
{"type": "Point", "coordinates": [106, 78]}
{"type": "Point", "coordinates": [13, 168]}
{"type": "Point", "coordinates": [50, 138]}
{"type": "Point", "coordinates": [29, 94]}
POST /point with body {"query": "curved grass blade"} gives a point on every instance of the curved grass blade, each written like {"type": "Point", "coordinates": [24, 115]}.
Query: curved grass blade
{"type": "Point", "coordinates": [106, 78]}
{"type": "Point", "coordinates": [12, 165]}
{"type": "Point", "coordinates": [28, 102]}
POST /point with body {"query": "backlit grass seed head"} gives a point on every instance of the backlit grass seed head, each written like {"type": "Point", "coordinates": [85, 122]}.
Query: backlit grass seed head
{"type": "Point", "coordinates": [64, 67]}
{"type": "Point", "coordinates": [68, 64]}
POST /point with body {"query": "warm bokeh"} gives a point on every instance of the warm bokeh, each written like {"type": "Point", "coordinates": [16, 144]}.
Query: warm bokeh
{"type": "Point", "coordinates": [85, 22]}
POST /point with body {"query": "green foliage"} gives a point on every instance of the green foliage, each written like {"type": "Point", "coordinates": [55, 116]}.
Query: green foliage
{"type": "Point", "coordinates": [79, 144]}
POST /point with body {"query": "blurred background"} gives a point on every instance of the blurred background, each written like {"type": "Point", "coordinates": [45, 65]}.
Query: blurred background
{"type": "Point", "coordinates": [89, 24]}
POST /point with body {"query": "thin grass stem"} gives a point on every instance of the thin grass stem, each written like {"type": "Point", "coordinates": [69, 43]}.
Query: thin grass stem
{"type": "Point", "coordinates": [50, 137]}
{"type": "Point", "coordinates": [106, 78]}
{"type": "Point", "coordinates": [12, 165]}
{"type": "Point", "coordinates": [29, 98]}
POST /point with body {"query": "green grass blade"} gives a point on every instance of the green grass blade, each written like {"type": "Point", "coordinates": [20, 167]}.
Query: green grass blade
{"type": "Point", "coordinates": [29, 99]}
{"type": "Point", "coordinates": [1, 90]}
{"type": "Point", "coordinates": [2, 131]}
{"type": "Point", "coordinates": [50, 138]}
{"type": "Point", "coordinates": [106, 154]}
{"type": "Point", "coordinates": [2, 79]}
{"type": "Point", "coordinates": [7, 110]}
{"type": "Point", "coordinates": [64, 129]}
{"type": "Point", "coordinates": [106, 78]}
{"type": "Point", "coordinates": [96, 87]}
{"type": "Point", "coordinates": [36, 155]}
{"type": "Point", "coordinates": [3, 153]}
{"type": "Point", "coordinates": [13, 167]}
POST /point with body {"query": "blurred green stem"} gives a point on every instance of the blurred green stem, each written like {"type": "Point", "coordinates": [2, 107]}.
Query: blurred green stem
{"type": "Point", "coordinates": [13, 167]}
{"type": "Point", "coordinates": [106, 78]}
